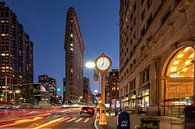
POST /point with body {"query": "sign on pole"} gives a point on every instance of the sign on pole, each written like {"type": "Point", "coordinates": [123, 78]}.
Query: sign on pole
{"type": "Point", "coordinates": [96, 76]}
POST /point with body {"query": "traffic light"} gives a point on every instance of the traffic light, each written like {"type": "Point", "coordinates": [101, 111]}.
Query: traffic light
{"type": "Point", "coordinates": [95, 101]}
{"type": "Point", "coordinates": [58, 89]}
{"type": "Point", "coordinates": [1, 95]}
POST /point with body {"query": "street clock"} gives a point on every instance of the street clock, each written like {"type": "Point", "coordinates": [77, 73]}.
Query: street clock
{"type": "Point", "coordinates": [103, 63]}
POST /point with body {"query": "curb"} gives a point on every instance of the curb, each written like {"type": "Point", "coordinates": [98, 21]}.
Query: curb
{"type": "Point", "coordinates": [95, 125]}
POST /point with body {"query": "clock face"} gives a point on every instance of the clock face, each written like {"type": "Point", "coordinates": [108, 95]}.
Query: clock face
{"type": "Point", "coordinates": [103, 63]}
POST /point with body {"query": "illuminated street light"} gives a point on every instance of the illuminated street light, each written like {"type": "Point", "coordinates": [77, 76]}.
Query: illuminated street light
{"type": "Point", "coordinates": [90, 65]}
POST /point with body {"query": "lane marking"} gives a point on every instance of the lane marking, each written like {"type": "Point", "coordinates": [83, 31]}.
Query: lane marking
{"type": "Point", "coordinates": [48, 123]}
{"type": "Point", "coordinates": [86, 120]}
{"type": "Point", "coordinates": [95, 123]}
{"type": "Point", "coordinates": [78, 120]}
{"type": "Point", "coordinates": [71, 119]}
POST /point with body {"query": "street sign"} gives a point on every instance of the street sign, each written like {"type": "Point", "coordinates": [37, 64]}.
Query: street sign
{"type": "Point", "coordinates": [96, 76]}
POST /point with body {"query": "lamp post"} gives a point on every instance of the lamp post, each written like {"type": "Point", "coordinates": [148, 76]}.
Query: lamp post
{"type": "Point", "coordinates": [193, 61]}
{"type": "Point", "coordinates": [16, 92]}
{"type": "Point", "coordinates": [103, 64]}
{"type": "Point", "coordinates": [6, 88]}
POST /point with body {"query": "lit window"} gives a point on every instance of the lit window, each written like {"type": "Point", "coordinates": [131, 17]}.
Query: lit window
{"type": "Point", "coordinates": [175, 76]}
{"type": "Point", "coordinates": [186, 49]}
{"type": "Point", "coordinates": [2, 21]}
{"type": "Point", "coordinates": [71, 35]}
{"type": "Point", "coordinates": [187, 62]}
{"type": "Point", "coordinates": [3, 35]}
{"type": "Point", "coordinates": [180, 55]}
{"type": "Point", "coordinates": [176, 62]}
{"type": "Point", "coordinates": [184, 70]}
{"type": "Point", "coordinates": [173, 69]}
{"type": "Point", "coordinates": [2, 54]}
{"type": "Point", "coordinates": [192, 55]}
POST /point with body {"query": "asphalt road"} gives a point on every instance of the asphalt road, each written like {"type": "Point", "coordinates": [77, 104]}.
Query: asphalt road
{"type": "Point", "coordinates": [59, 119]}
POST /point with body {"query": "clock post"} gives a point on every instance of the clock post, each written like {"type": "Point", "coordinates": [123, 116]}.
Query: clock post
{"type": "Point", "coordinates": [103, 64]}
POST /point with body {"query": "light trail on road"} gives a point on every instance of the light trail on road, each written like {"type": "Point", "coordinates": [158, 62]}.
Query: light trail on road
{"type": "Point", "coordinates": [48, 123]}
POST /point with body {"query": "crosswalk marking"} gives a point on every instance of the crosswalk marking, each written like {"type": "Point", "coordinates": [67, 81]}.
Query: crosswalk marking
{"type": "Point", "coordinates": [66, 118]}
{"type": "Point", "coordinates": [71, 119]}
{"type": "Point", "coordinates": [78, 120]}
{"type": "Point", "coordinates": [86, 120]}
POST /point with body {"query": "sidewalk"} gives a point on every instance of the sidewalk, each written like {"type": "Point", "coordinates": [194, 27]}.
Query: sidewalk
{"type": "Point", "coordinates": [111, 123]}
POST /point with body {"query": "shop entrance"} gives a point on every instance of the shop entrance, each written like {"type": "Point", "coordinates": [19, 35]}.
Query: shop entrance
{"type": "Point", "coordinates": [178, 82]}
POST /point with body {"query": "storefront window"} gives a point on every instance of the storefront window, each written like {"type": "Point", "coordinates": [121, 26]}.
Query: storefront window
{"type": "Point", "coordinates": [144, 99]}
{"type": "Point", "coordinates": [132, 102]}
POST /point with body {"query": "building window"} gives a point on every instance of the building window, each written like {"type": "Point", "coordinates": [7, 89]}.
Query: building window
{"type": "Point", "coordinates": [149, 3]}
{"type": "Point", "coordinates": [149, 21]}
{"type": "Point", "coordinates": [144, 99]}
{"type": "Point", "coordinates": [145, 76]}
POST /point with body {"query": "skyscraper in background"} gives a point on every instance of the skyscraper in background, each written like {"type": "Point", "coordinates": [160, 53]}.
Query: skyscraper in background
{"type": "Point", "coordinates": [50, 86]}
{"type": "Point", "coordinates": [74, 54]}
{"type": "Point", "coordinates": [16, 58]}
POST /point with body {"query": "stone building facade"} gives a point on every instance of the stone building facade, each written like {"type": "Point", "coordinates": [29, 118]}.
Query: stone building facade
{"type": "Point", "coordinates": [157, 40]}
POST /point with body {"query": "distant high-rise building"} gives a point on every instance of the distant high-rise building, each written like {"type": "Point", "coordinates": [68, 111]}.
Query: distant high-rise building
{"type": "Point", "coordinates": [74, 51]}
{"type": "Point", "coordinates": [40, 94]}
{"type": "Point", "coordinates": [50, 86]}
{"type": "Point", "coordinates": [113, 82]}
{"type": "Point", "coordinates": [87, 94]}
{"type": "Point", "coordinates": [64, 90]}
{"type": "Point", "coordinates": [16, 58]}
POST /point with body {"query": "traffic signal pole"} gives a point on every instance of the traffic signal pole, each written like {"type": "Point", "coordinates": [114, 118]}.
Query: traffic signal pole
{"type": "Point", "coordinates": [6, 89]}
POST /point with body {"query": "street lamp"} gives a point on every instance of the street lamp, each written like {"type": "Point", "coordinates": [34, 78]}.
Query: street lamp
{"type": "Point", "coordinates": [90, 65]}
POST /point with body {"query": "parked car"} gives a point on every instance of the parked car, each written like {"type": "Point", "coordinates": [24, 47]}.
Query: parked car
{"type": "Point", "coordinates": [87, 111]}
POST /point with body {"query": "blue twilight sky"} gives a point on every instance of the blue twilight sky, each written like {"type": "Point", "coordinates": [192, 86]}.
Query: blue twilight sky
{"type": "Point", "coordinates": [44, 21]}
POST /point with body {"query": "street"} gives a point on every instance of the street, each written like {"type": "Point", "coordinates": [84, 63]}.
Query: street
{"type": "Point", "coordinates": [49, 119]}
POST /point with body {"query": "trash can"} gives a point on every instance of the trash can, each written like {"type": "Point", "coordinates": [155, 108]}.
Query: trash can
{"type": "Point", "coordinates": [189, 117]}
{"type": "Point", "coordinates": [123, 120]}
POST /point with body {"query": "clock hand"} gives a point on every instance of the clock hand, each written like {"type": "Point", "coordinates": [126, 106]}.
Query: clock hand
{"type": "Point", "coordinates": [103, 62]}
